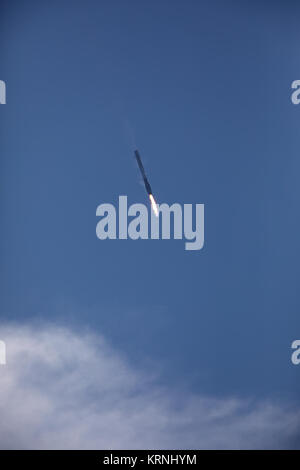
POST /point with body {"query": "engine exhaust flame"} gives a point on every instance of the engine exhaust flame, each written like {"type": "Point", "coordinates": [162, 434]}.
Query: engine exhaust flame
{"type": "Point", "coordinates": [153, 204]}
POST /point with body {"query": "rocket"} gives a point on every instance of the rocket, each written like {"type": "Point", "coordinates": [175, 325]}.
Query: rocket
{"type": "Point", "coordinates": [146, 183]}
{"type": "Point", "coordinates": [142, 170]}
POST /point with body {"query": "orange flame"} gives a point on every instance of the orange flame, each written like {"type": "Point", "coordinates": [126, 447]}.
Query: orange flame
{"type": "Point", "coordinates": [154, 205]}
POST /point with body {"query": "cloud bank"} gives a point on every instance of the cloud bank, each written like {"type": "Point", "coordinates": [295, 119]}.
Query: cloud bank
{"type": "Point", "coordinates": [64, 390]}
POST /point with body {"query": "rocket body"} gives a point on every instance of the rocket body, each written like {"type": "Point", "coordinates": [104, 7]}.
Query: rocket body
{"type": "Point", "coordinates": [142, 170]}
{"type": "Point", "coordinates": [146, 183]}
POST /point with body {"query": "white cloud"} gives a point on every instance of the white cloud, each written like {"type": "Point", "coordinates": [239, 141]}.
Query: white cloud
{"type": "Point", "coordinates": [64, 390]}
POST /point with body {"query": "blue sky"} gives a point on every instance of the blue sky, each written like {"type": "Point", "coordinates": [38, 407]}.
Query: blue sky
{"type": "Point", "coordinates": [202, 88]}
